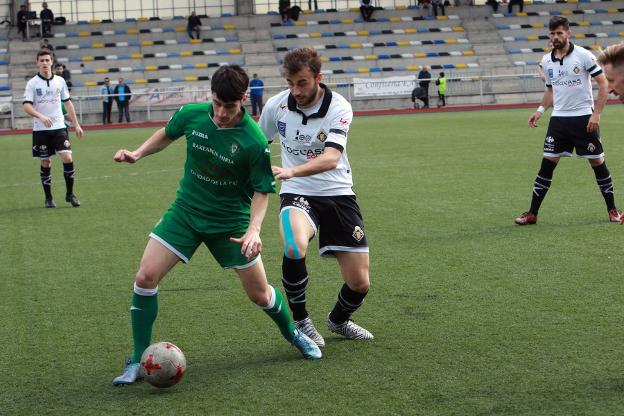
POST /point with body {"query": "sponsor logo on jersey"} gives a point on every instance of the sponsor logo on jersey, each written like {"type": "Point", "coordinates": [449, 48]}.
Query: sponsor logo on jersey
{"type": "Point", "coordinates": [307, 153]}
{"type": "Point", "coordinates": [321, 136]}
{"type": "Point", "coordinates": [571, 83]}
{"type": "Point", "coordinates": [39, 92]}
{"type": "Point", "coordinates": [343, 121]}
{"type": "Point", "coordinates": [549, 144]}
{"type": "Point", "coordinates": [550, 73]}
{"type": "Point", "coordinates": [550, 139]}
{"type": "Point", "coordinates": [358, 233]}
{"type": "Point", "coordinates": [281, 127]}
{"type": "Point", "coordinates": [199, 134]}
{"type": "Point", "coordinates": [303, 138]}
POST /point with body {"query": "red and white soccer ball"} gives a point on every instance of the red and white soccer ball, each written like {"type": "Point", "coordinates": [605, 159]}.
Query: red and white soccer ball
{"type": "Point", "coordinates": [163, 364]}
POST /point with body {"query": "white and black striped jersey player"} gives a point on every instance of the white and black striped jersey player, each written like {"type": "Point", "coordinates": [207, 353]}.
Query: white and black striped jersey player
{"type": "Point", "coordinates": [312, 123]}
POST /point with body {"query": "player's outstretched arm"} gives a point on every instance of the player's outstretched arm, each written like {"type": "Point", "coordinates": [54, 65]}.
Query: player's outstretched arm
{"type": "Point", "coordinates": [251, 244]}
{"type": "Point", "coordinates": [603, 94]}
{"type": "Point", "coordinates": [157, 142]}
{"type": "Point", "coordinates": [327, 161]}
{"type": "Point", "coordinates": [30, 110]}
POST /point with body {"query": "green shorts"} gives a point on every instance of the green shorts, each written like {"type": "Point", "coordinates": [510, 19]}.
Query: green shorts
{"type": "Point", "coordinates": [182, 233]}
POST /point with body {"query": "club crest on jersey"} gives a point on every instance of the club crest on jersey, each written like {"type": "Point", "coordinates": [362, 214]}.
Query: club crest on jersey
{"type": "Point", "coordinates": [233, 149]}
{"type": "Point", "coordinates": [39, 92]}
{"type": "Point", "coordinates": [591, 147]}
{"type": "Point", "coordinates": [321, 136]}
{"type": "Point", "coordinates": [281, 127]}
{"type": "Point", "coordinates": [576, 69]}
{"type": "Point", "coordinates": [66, 143]}
{"type": "Point", "coordinates": [358, 233]}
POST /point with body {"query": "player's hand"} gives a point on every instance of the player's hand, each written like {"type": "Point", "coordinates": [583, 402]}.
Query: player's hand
{"type": "Point", "coordinates": [594, 123]}
{"type": "Point", "coordinates": [533, 119]}
{"type": "Point", "coordinates": [79, 131]}
{"type": "Point", "coordinates": [124, 155]}
{"type": "Point", "coordinates": [47, 121]}
{"type": "Point", "coordinates": [250, 242]}
{"type": "Point", "coordinates": [282, 173]}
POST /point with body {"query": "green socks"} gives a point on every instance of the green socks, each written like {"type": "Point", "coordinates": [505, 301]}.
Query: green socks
{"type": "Point", "coordinates": [278, 311]}
{"type": "Point", "coordinates": [143, 314]}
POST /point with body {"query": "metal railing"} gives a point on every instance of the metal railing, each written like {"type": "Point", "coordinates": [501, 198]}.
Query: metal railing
{"type": "Point", "coordinates": [158, 103]}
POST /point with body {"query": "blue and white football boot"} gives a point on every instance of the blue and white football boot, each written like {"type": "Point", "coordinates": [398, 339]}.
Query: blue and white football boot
{"type": "Point", "coordinates": [131, 374]}
{"type": "Point", "coordinates": [308, 348]}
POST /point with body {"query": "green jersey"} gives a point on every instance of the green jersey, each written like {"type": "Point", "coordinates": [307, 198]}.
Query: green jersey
{"type": "Point", "coordinates": [223, 168]}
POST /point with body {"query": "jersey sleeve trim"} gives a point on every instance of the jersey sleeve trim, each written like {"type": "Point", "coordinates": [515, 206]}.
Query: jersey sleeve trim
{"type": "Point", "coordinates": [67, 99]}
{"type": "Point", "coordinates": [338, 131]}
{"type": "Point", "coordinates": [27, 102]}
{"type": "Point", "coordinates": [595, 74]}
{"type": "Point", "coordinates": [335, 146]}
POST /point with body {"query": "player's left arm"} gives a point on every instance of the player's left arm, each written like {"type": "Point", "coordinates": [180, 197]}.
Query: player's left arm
{"type": "Point", "coordinates": [603, 95]}
{"type": "Point", "coordinates": [71, 113]}
{"type": "Point", "coordinates": [326, 161]}
{"type": "Point", "coordinates": [251, 244]}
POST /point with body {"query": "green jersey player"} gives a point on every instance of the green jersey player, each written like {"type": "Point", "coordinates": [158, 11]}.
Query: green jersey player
{"type": "Point", "coordinates": [221, 202]}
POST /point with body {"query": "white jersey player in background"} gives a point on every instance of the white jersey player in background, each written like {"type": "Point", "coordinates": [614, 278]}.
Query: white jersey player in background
{"type": "Point", "coordinates": [574, 123]}
{"type": "Point", "coordinates": [43, 98]}
{"type": "Point", "coordinates": [312, 123]}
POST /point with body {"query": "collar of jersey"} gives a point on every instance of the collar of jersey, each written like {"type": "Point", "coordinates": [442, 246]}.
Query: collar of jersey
{"type": "Point", "coordinates": [45, 79]}
{"type": "Point", "coordinates": [555, 59]}
{"type": "Point", "coordinates": [322, 112]}
{"type": "Point", "coordinates": [241, 123]}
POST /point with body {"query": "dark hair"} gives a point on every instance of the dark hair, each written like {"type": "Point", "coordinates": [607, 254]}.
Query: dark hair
{"type": "Point", "coordinates": [441, 74]}
{"type": "Point", "coordinates": [557, 21]}
{"type": "Point", "coordinates": [297, 59]}
{"type": "Point", "coordinates": [59, 64]}
{"type": "Point", "coordinates": [44, 52]}
{"type": "Point", "coordinates": [230, 83]}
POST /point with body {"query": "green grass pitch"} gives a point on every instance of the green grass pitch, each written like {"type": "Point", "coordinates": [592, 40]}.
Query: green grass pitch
{"type": "Point", "coordinates": [472, 315]}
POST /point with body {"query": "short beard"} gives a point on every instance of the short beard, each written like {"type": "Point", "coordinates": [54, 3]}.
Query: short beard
{"type": "Point", "coordinates": [310, 99]}
{"type": "Point", "coordinates": [562, 45]}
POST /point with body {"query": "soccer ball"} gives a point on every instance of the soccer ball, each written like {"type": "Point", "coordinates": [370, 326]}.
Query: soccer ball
{"type": "Point", "coordinates": [163, 364]}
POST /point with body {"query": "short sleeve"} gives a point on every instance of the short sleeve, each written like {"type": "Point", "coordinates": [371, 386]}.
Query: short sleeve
{"type": "Point", "coordinates": [175, 127]}
{"type": "Point", "coordinates": [339, 129]}
{"type": "Point", "coordinates": [29, 93]}
{"type": "Point", "coordinates": [267, 121]}
{"type": "Point", "coordinates": [262, 179]}
{"type": "Point", "coordinates": [591, 65]}
{"type": "Point", "coordinates": [64, 91]}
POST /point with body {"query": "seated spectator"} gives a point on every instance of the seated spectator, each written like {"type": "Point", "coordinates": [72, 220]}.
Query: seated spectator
{"type": "Point", "coordinates": [435, 4]}
{"type": "Point", "coordinates": [310, 4]}
{"type": "Point", "coordinates": [45, 44]}
{"type": "Point", "coordinates": [520, 3]}
{"type": "Point", "coordinates": [366, 9]}
{"type": "Point", "coordinates": [22, 21]}
{"type": "Point", "coordinates": [288, 13]}
{"type": "Point", "coordinates": [47, 18]}
{"type": "Point", "coordinates": [194, 25]}
{"type": "Point", "coordinates": [494, 4]}
{"type": "Point", "coordinates": [424, 5]}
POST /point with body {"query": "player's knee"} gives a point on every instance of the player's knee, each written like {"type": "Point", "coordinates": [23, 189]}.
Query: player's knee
{"type": "Point", "coordinates": [259, 298]}
{"type": "Point", "coordinates": [146, 279]}
{"type": "Point", "coordinates": [295, 249]}
{"type": "Point", "coordinates": [46, 163]}
{"type": "Point", "coordinates": [362, 285]}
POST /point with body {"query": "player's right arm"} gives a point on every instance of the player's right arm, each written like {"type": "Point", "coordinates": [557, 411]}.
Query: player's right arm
{"type": "Point", "coordinates": [157, 142]}
{"type": "Point", "coordinates": [547, 102]}
{"type": "Point", "coordinates": [30, 110]}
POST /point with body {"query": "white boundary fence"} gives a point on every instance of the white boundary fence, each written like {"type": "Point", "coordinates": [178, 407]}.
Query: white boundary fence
{"type": "Point", "coordinates": [157, 103]}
